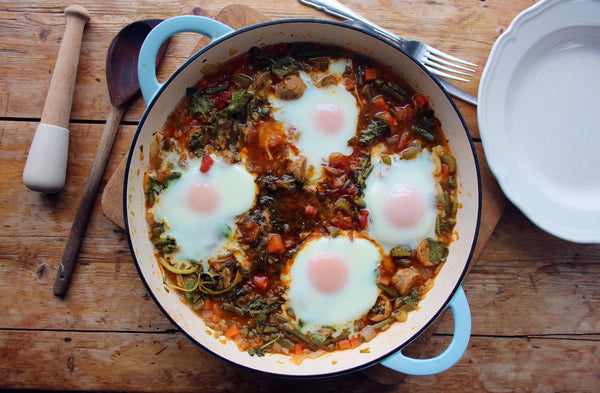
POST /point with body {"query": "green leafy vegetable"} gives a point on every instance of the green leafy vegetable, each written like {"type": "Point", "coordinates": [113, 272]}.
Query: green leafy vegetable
{"type": "Point", "coordinates": [443, 226]}
{"type": "Point", "coordinates": [284, 66]}
{"type": "Point", "coordinates": [153, 187]}
{"type": "Point", "coordinates": [438, 251]}
{"type": "Point", "coordinates": [242, 81]}
{"type": "Point", "coordinates": [172, 176]}
{"type": "Point", "coordinates": [239, 100]}
{"type": "Point", "coordinates": [166, 244]}
{"type": "Point", "coordinates": [200, 105]}
{"type": "Point", "coordinates": [376, 129]}
{"type": "Point", "coordinates": [197, 143]}
{"type": "Point", "coordinates": [193, 296]}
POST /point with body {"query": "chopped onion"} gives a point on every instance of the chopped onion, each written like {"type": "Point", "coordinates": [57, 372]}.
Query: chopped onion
{"type": "Point", "coordinates": [367, 333]}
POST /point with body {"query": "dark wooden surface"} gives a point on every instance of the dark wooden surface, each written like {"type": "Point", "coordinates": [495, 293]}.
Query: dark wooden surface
{"type": "Point", "coordinates": [535, 299]}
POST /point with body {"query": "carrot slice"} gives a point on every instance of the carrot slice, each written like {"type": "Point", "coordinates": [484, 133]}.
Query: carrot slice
{"type": "Point", "coordinates": [275, 244]}
{"type": "Point", "coordinates": [232, 331]}
{"type": "Point", "coordinates": [343, 344]}
{"type": "Point", "coordinates": [370, 74]}
{"type": "Point", "coordinates": [389, 118]}
{"type": "Point", "coordinates": [421, 100]}
{"type": "Point", "coordinates": [354, 341]}
{"type": "Point", "coordinates": [298, 349]}
{"type": "Point", "coordinates": [380, 103]}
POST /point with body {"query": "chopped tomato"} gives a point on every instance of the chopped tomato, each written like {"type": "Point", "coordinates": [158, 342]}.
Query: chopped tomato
{"type": "Point", "coordinates": [343, 344]}
{"type": "Point", "coordinates": [310, 210]}
{"type": "Point", "coordinates": [363, 219]}
{"type": "Point", "coordinates": [206, 163]}
{"type": "Point", "coordinates": [405, 113]}
{"type": "Point", "coordinates": [339, 161]}
{"type": "Point", "coordinates": [261, 281]}
{"type": "Point", "coordinates": [420, 100]}
{"type": "Point", "coordinates": [222, 100]}
{"type": "Point", "coordinates": [380, 103]}
{"type": "Point", "coordinates": [354, 341]}
{"type": "Point", "coordinates": [211, 309]}
{"type": "Point", "coordinates": [208, 304]}
{"type": "Point", "coordinates": [250, 231]}
{"type": "Point", "coordinates": [388, 264]}
{"type": "Point", "coordinates": [161, 176]}
{"type": "Point", "coordinates": [275, 244]}
{"type": "Point", "coordinates": [397, 142]}
{"type": "Point", "coordinates": [232, 331]}
{"type": "Point", "coordinates": [370, 74]}
{"type": "Point", "coordinates": [216, 310]}
{"type": "Point", "coordinates": [384, 278]}
{"type": "Point", "coordinates": [445, 169]}
{"type": "Point", "coordinates": [342, 221]}
{"type": "Point", "coordinates": [275, 142]}
{"type": "Point", "coordinates": [389, 118]}
{"type": "Point", "coordinates": [350, 190]}
{"type": "Point", "coordinates": [403, 142]}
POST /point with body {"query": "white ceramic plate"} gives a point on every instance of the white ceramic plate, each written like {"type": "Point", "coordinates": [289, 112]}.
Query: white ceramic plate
{"type": "Point", "coordinates": [539, 116]}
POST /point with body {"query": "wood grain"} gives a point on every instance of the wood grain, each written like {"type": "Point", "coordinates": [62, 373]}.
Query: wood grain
{"type": "Point", "coordinates": [97, 360]}
{"type": "Point", "coordinates": [57, 109]}
{"type": "Point", "coordinates": [534, 299]}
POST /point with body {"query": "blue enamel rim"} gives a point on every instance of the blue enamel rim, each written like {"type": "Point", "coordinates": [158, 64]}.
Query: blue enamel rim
{"type": "Point", "coordinates": [232, 35]}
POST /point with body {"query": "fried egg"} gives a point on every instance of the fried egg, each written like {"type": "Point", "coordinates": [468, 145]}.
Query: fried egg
{"type": "Point", "coordinates": [332, 282]}
{"type": "Point", "coordinates": [323, 119]}
{"type": "Point", "coordinates": [199, 209]}
{"type": "Point", "coordinates": [402, 200]}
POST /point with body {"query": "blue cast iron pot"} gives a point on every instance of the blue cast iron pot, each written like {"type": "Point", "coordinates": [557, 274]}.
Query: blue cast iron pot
{"type": "Point", "coordinates": [386, 347]}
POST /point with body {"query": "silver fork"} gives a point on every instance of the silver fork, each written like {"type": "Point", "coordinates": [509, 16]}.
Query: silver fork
{"type": "Point", "coordinates": [436, 61]}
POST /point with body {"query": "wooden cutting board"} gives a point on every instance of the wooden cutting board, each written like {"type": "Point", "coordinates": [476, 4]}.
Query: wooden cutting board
{"type": "Point", "coordinates": [493, 201]}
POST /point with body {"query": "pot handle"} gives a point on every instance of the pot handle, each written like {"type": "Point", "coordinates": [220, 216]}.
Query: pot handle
{"type": "Point", "coordinates": [462, 332]}
{"type": "Point", "coordinates": [178, 24]}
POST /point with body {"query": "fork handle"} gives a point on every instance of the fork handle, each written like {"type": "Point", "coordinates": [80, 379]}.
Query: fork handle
{"type": "Point", "coordinates": [336, 8]}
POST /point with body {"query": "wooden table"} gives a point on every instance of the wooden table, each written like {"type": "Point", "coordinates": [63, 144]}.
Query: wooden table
{"type": "Point", "coordinates": [535, 299]}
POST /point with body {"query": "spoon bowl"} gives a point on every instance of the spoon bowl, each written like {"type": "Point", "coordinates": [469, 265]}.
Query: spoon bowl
{"type": "Point", "coordinates": [122, 58]}
{"type": "Point", "coordinates": [123, 85]}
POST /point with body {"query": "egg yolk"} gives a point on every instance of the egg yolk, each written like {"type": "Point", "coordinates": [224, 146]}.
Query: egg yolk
{"type": "Point", "coordinates": [327, 272]}
{"type": "Point", "coordinates": [404, 205]}
{"type": "Point", "coordinates": [203, 197]}
{"type": "Point", "coordinates": [329, 118]}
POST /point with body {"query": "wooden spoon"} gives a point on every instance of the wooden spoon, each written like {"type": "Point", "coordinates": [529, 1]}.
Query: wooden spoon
{"type": "Point", "coordinates": [123, 85]}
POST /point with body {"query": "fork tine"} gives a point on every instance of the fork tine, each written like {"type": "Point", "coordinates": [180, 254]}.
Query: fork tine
{"type": "Point", "coordinates": [439, 53]}
{"type": "Point", "coordinates": [430, 63]}
{"type": "Point", "coordinates": [448, 63]}
{"type": "Point", "coordinates": [444, 74]}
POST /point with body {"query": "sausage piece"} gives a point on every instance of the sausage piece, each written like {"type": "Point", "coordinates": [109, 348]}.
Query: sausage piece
{"type": "Point", "coordinates": [290, 88]}
{"type": "Point", "coordinates": [405, 279]}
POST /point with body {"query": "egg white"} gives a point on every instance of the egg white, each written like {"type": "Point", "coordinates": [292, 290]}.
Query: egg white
{"type": "Point", "coordinates": [299, 116]}
{"type": "Point", "coordinates": [315, 309]}
{"type": "Point", "coordinates": [419, 173]}
{"type": "Point", "coordinates": [201, 235]}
